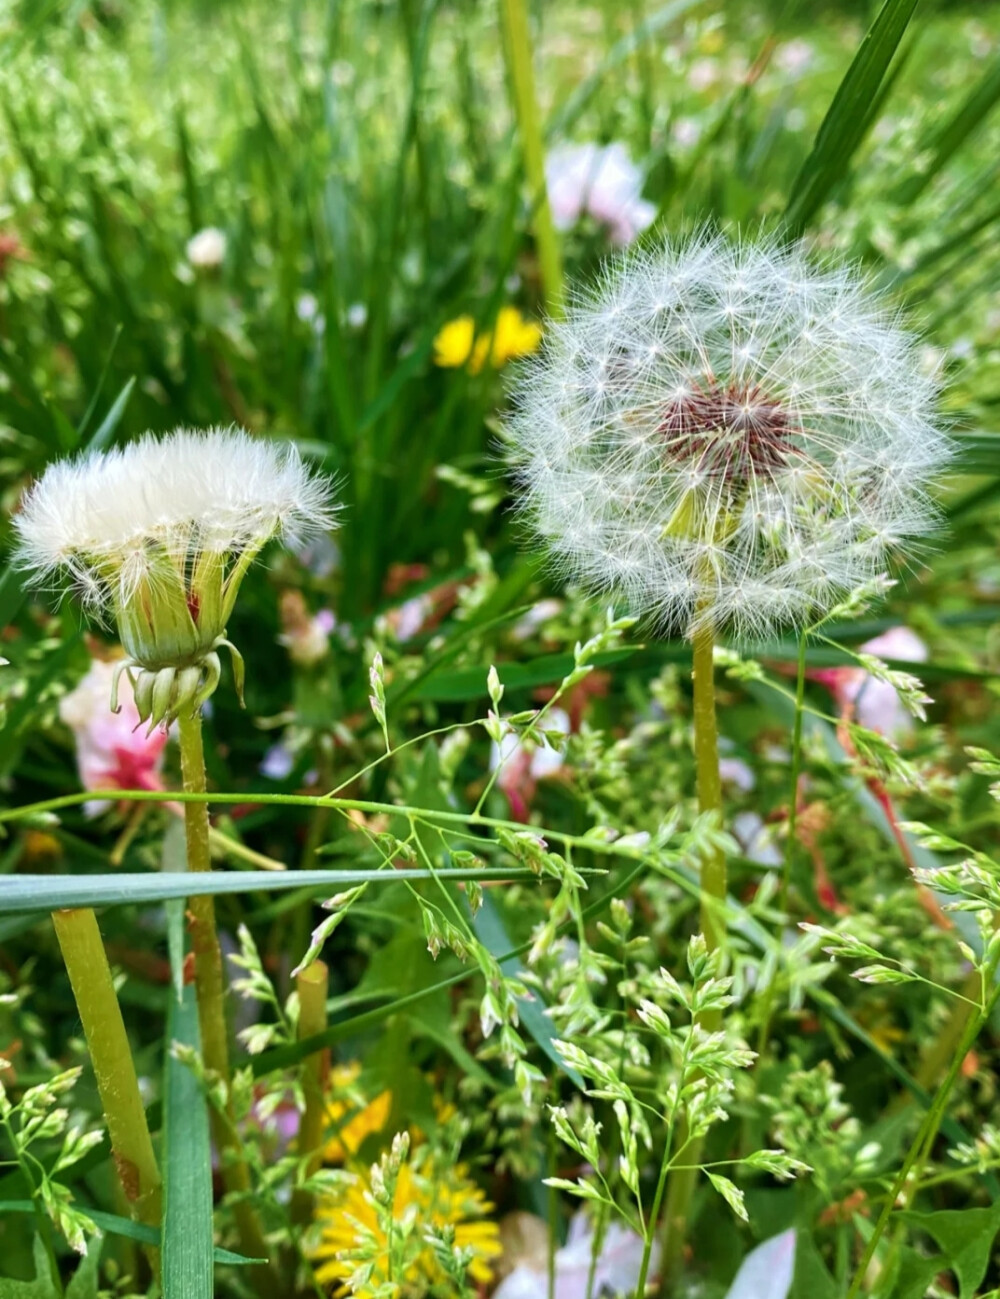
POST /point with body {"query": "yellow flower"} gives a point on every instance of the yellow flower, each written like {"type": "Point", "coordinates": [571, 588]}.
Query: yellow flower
{"type": "Point", "coordinates": [457, 345]}
{"type": "Point", "coordinates": [429, 1194]}
{"type": "Point", "coordinates": [366, 1116]}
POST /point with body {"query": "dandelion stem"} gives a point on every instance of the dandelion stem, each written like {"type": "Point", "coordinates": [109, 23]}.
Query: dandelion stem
{"type": "Point", "coordinates": [793, 806]}
{"type": "Point", "coordinates": [522, 76]}
{"type": "Point", "coordinates": [923, 1142]}
{"type": "Point", "coordinates": [210, 985]}
{"type": "Point", "coordinates": [312, 984]}
{"type": "Point", "coordinates": [713, 925]}
{"type": "Point", "coordinates": [709, 784]}
{"type": "Point", "coordinates": [107, 1042]}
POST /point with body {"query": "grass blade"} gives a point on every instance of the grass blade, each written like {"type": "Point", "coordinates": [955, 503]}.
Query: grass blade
{"type": "Point", "coordinates": [115, 1225]}
{"type": "Point", "coordinates": [23, 893]}
{"type": "Point", "coordinates": [108, 426]}
{"type": "Point", "coordinates": [847, 118]}
{"type": "Point", "coordinates": [188, 1265]}
{"type": "Point", "coordinates": [949, 137]}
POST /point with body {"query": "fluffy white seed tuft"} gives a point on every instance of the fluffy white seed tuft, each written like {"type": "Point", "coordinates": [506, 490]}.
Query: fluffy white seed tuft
{"type": "Point", "coordinates": [728, 435]}
{"type": "Point", "coordinates": [107, 518]}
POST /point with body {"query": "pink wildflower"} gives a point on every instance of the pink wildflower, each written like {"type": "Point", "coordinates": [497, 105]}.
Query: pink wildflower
{"type": "Point", "coordinates": [875, 704]}
{"type": "Point", "coordinates": [113, 750]}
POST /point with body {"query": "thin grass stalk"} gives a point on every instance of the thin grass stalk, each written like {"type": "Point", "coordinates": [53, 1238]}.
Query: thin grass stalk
{"type": "Point", "coordinates": [312, 985]}
{"type": "Point", "coordinates": [107, 1043]}
{"type": "Point", "coordinates": [210, 985]}
{"type": "Point", "coordinates": [522, 78]}
{"type": "Point", "coordinates": [908, 1178]}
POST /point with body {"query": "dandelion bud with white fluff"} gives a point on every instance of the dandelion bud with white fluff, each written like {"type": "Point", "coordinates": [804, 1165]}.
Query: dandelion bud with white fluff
{"type": "Point", "coordinates": [732, 437]}
{"type": "Point", "coordinates": [160, 534]}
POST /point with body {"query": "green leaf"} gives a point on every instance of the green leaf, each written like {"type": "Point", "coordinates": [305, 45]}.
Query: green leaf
{"type": "Point", "coordinates": [83, 1284]}
{"type": "Point", "coordinates": [470, 683]}
{"type": "Point", "coordinates": [846, 121]}
{"type": "Point", "coordinates": [188, 1268]}
{"type": "Point", "coordinates": [105, 432]}
{"type": "Point", "coordinates": [978, 453]}
{"type": "Point", "coordinates": [23, 893]}
{"type": "Point", "coordinates": [966, 1236]}
{"type": "Point", "coordinates": [812, 1279]}
{"type": "Point", "coordinates": [915, 1273]}
{"type": "Point", "coordinates": [88, 414]}
{"type": "Point", "coordinates": [43, 1287]}
{"type": "Point", "coordinates": [114, 1225]}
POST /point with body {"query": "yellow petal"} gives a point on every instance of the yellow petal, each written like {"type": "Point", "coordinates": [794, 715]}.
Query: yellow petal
{"type": "Point", "coordinates": [454, 342]}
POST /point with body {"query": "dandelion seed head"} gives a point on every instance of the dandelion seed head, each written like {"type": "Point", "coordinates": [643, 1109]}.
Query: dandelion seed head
{"type": "Point", "coordinates": [160, 533]}
{"type": "Point", "coordinates": [728, 434]}
{"type": "Point", "coordinates": [106, 518]}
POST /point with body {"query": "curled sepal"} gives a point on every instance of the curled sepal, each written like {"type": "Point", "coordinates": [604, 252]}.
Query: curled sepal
{"type": "Point", "coordinates": [239, 668]}
{"type": "Point", "coordinates": [124, 665]}
{"type": "Point", "coordinates": [143, 691]}
{"type": "Point", "coordinates": [163, 697]}
{"type": "Point", "coordinates": [187, 688]}
{"type": "Point", "coordinates": [213, 671]}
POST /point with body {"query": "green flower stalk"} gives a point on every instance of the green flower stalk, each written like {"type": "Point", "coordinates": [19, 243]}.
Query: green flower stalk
{"type": "Point", "coordinates": [158, 535]}
{"type": "Point", "coordinates": [107, 1042]}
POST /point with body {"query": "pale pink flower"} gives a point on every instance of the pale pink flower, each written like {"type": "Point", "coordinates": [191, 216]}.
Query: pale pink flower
{"type": "Point", "coordinates": [875, 704]}
{"type": "Point", "coordinates": [703, 73]}
{"type": "Point", "coordinates": [113, 750]}
{"type": "Point", "coordinates": [755, 839]}
{"type": "Point", "coordinates": [617, 1269]}
{"type": "Point", "coordinates": [794, 57]}
{"type": "Point", "coordinates": [767, 1271]}
{"type": "Point", "coordinates": [521, 766]}
{"type": "Point", "coordinates": [734, 771]}
{"type": "Point", "coordinates": [602, 181]}
{"type": "Point", "coordinates": [309, 643]}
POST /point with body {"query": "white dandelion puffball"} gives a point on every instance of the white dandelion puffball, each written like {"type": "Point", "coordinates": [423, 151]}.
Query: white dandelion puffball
{"type": "Point", "coordinates": [730, 436]}
{"type": "Point", "coordinates": [161, 533]}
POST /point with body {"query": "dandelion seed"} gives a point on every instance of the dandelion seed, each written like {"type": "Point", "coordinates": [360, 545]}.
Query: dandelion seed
{"type": "Point", "coordinates": [160, 534]}
{"type": "Point", "coordinates": [728, 436]}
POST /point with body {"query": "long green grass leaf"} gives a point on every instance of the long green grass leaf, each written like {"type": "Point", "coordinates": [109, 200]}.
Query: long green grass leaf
{"type": "Point", "coordinates": [843, 128]}
{"type": "Point", "coordinates": [20, 893]}
{"type": "Point", "coordinates": [949, 137]}
{"type": "Point", "coordinates": [115, 1225]}
{"type": "Point", "coordinates": [188, 1266]}
{"type": "Point", "coordinates": [105, 432]}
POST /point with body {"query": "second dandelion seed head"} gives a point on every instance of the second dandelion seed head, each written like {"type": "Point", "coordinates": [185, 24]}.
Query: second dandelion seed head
{"type": "Point", "coordinates": [728, 435]}
{"type": "Point", "coordinates": [160, 534]}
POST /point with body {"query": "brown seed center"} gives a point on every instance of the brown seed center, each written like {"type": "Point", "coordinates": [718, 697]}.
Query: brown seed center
{"type": "Point", "coordinates": [732, 432]}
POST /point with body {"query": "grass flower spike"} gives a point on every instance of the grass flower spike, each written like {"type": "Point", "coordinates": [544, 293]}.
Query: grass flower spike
{"type": "Point", "coordinates": [728, 435]}
{"type": "Point", "coordinates": [160, 533]}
